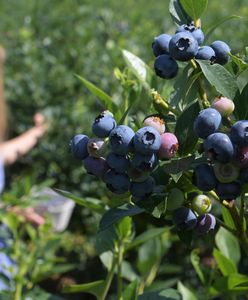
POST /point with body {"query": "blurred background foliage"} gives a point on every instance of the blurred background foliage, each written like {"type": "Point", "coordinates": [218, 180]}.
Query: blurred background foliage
{"type": "Point", "coordinates": [47, 43]}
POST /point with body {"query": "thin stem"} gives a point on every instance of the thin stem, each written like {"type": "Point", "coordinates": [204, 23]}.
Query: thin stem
{"type": "Point", "coordinates": [119, 276]}
{"type": "Point", "coordinates": [226, 226]}
{"type": "Point", "coordinates": [18, 291]}
{"type": "Point", "coordinates": [108, 280]}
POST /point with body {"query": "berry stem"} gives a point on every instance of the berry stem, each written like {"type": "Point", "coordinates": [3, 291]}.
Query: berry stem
{"type": "Point", "coordinates": [119, 277]}
{"type": "Point", "coordinates": [108, 280]}
{"type": "Point", "coordinates": [161, 105]}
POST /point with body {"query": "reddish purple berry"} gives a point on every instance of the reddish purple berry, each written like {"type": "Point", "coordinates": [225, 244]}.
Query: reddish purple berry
{"type": "Point", "coordinates": [205, 223]}
{"type": "Point", "coordinates": [169, 145]}
{"type": "Point", "coordinates": [156, 122]}
{"type": "Point", "coordinates": [224, 106]}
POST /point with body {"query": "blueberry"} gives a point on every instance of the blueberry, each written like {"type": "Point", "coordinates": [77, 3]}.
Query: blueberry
{"type": "Point", "coordinates": [227, 172]}
{"type": "Point", "coordinates": [147, 140]}
{"type": "Point", "coordinates": [205, 223]}
{"type": "Point", "coordinates": [96, 147]}
{"type": "Point", "coordinates": [242, 156]}
{"type": "Point", "coordinates": [120, 139]}
{"type": "Point", "coordinates": [140, 190]}
{"type": "Point", "coordinates": [221, 50]}
{"type": "Point", "coordinates": [160, 44]}
{"type": "Point", "coordinates": [201, 204]}
{"type": "Point", "coordinates": [184, 218]}
{"type": "Point", "coordinates": [228, 191]}
{"type": "Point", "coordinates": [183, 46]}
{"type": "Point", "coordinates": [165, 66]}
{"type": "Point", "coordinates": [96, 166]}
{"type": "Point", "coordinates": [103, 125]}
{"type": "Point", "coordinates": [119, 163]}
{"type": "Point", "coordinates": [224, 106]}
{"type": "Point", "coordinates": [207, 122]}
{"type": "Point", "coordinates": [205, 53]}
{"type": "Point", "coordinates": [239, 133]}
{"type": "Point", "coordinates": [169, 146]}
{"type": "Point", "coordinates": [218, 146]}
{"type": "Point", "coordinates": [78, 146]}
{"type": "Point", "coordinates": [117, 183]}
{"type": "Point", "coordinates": [204, 177]}
{"type": "Point", "coordinates": [195, 31]}
{"type": "Point", "coordinates": [144, 163]}
{"type": "Point", "coordinates": [156, 122]}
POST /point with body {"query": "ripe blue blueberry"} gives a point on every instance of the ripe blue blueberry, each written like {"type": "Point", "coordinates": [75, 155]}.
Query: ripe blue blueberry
{"type": "Point", "coordinates": [96, 166]}
{"type": "Point", "coordinates": [147, 140]}
{"type": "Point", "coordinates": [120, 139]}
{"type": "Point", "coordinates": [221, 50]}
{"type": "Point", "coordinates": [228, 191]}
{"type": "Point", "coordinates": [195, 31]}
{"type": "Point", "coordinates": [206, 53]}
{"type": "Point", "coordinates": [207, 122]}
{"type": "Point", "coordinates": [218, 146]}
{"type": "Point", "coordinates": [165, 66]}
{"type": "Point", "coordinates": [183, 46]}
{"type": "Point", "coordinates": [205, 223]}
{"type": "Point", "coordinates": [145, 163]}
{"type": "Point", "coordinates": [78, 146]}
{"type": "Point", "coordinates": [103, 125]}
{"type": "Point", "coordinates": [239, 133]}
{"type": "Point", "coordinates": [160, 44]}
{"type": "Point", "coordinates": [141, 190]}
{"type": "Point", "coordinates": [204, 177]}
{"type": "Point", "coordinates": [119, 163]}
{"type": "Point", "coordinates": [118, 183]}
{"type": "Point", "coordinates": [184, 218]}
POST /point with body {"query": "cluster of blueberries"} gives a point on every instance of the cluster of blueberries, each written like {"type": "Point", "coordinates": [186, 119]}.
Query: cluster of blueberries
{"type": "Point", "coordinates": [184, 45]}
{"type": "Point", "coordinates": [122, 158]}
{"type": "Point", "coordinates": [227, 167]}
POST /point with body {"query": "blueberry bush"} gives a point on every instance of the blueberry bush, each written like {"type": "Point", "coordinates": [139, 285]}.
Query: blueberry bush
{"type": "Point", "coordinates": [165, 148]}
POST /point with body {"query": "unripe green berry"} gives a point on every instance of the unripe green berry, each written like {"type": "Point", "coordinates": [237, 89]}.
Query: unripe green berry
{"type": "Point", "coordinates": [226, 173]}
{"type": "Point", "coordinates": [201, 204]}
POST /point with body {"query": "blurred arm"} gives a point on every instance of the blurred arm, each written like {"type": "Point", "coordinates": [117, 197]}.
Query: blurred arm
{"type": "Point", "coordinates": [11, 150]}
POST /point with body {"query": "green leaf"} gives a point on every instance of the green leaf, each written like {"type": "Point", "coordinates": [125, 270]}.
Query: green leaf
{"type": "Point", "coordinates": [91, 203]}
{"type": "Point", "coordinates": [175, 199]}
{"type": "Point", "coordinates": [95, 288]}
{"type": "Point", "coordinates": [225, 265]}
{"type": "Point", "coordinates": [138, 67]}
{"type": "Point", "coordinates": [146, 236]}
{"type": "Point", "coordinates": [212, 28]}
{"type": "Point", "coordinates": [175, 166]}
{"type": "Point", "coordinates": [228, 245]}
{"type": "Point", "coordinates": [106, 240]}
{"type": "Point", "coordinates": [168, 294]}
{"type": "Point", "coordinates": [194, 8]}
{"type": "Point", "coordinates": [124, 228]}
{"type": "Point", "coordinates": [107, 100]}
{"type": "Point", "coordinates": [220, 78]}
{"type": "Point", "coordinates": [155, 204]}
{"type": "Point", "coordinates": [242, 81]}
{"type": "Point", "coordinates": [115, 214]}
{"type": "Point", "coordinates": [179, 16]}
{"type": "Point", "coordinates": [241, 104]}
{"type": "Point", "coordinates": [131, 291]}
{"type": "Point", "coordinates": [185, 129]}
{"type": "Point", "coordinates": [195, 260]}
{"type": "Point", "coordinates": [186, 293]}
{"type": "Point", "coordinates": [241, 64]}
{"type": "Point", "coordinates": [233, 283]}
{"type": "Point", "coordinates": [227, 217]}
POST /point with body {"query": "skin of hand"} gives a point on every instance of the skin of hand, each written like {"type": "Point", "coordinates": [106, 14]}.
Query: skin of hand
{"type": "Point", "coordinates": [12, 149]}
{"type": "Point", "coordinates": [28, 214]}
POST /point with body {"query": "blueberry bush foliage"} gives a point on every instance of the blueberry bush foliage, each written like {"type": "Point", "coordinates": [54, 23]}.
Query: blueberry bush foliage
{"type": "Point", "coordinates": [174, 149]}
{"type": "Point", "coordinates": [174, 193]}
